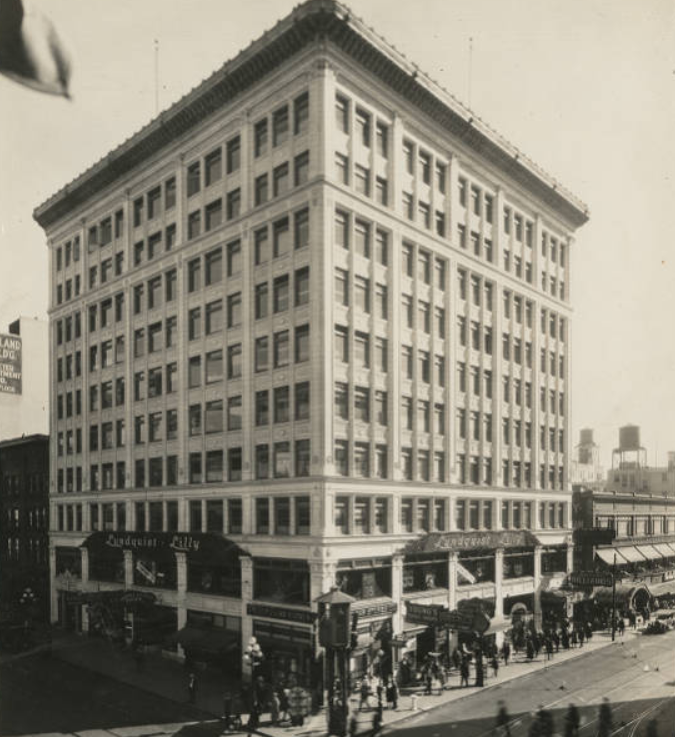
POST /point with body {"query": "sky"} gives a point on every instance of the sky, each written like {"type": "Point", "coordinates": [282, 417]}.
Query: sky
{"type": "Point", "coordinates": [586, 88]}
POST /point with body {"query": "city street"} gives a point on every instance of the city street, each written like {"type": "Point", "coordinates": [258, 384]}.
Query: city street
{"type": "Point", "coordinates": [638, 678]}
{"type": "Point", "coordinates": [41, 695]}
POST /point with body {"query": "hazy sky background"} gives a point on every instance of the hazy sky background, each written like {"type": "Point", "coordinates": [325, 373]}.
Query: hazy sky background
{"type": "Point", "coordinates": [584, 87]}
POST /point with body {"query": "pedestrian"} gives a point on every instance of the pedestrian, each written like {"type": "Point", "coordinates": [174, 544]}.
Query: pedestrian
{"type": "Point", "coordinates": [428, 679]}
{"type": "Point", "coordinates": [605, 721]}
{"type": "Point", "coordinates": [556, 640]}
{"type": "Point", "coordinates": [549, 649]}
{"type": "Point", "coordinates": [572, 721]}
{"type": "Point", "coordinates": [621, 626]}
{"type": "Point", "coordinates": [353, 726]}
{"type": "Point", "coordinates": [574, 638]}
{"type": "Point", "coordinates": [364, 692]}
{"type": "Point", "coordinates": [503, 720]}
{"type": "Point", "coordinates": [392, 694]}
{"type": "Point", "coordinates": [506, 652]}
{"type": "Point", "coordinates": [275, 707]}
{"type": "Point", "coordinates": [377, 721]}
{"type": "Point", "coordinates": [581, 636]}
{"type": "Point", "coordinates": [379, 690]}
{"type": "Point", "coordinates": [529, 647]}
{"type": "Point", "coordinates": [192, 688]}
{"type": "Point", "coordinates": [480, 673]}
{"type": "Point", "coordinates": [464, 672]}
{"type": "Point", "coordinates": [456, 659]}
{"type": "Point", "coordinates": [495, 664]}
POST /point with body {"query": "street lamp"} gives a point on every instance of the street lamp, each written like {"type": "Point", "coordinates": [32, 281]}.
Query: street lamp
{"type": "Point", "coordinates": [335, 634]}
{"type": "Point", "coordinates": [253, 655]}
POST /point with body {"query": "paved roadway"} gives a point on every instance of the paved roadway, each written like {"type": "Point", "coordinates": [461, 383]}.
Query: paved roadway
{"type": "Point", "coordinates": [41, 695]}
{"type": "Point", "coordinates": [638, 678]}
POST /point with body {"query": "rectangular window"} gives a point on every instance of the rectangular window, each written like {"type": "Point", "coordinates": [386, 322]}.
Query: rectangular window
{"type": "Point", "coordinates": [281, 349]}
{"type": "Point", "coordinates": [301, 169]}
{"type": "Point", "coordinates": [260, 137]}
{"type": "Point", "coordinates": [280, 126]}
{"type": "Point", "coordinates": [261, 189]}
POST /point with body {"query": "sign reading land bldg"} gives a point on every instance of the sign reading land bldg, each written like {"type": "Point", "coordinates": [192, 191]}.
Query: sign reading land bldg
{"type": "Point", "coordinates": [10, 364]}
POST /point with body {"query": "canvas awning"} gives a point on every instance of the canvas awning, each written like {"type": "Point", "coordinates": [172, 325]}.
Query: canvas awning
{"type": "Point", "coordinates": [671, 546]}
{"type": "Point", "coordinates": [607, 556]}
{"type": "Point", "coordinates": [650, 552]}
{"type": "Point", "coordinates": [498, 625]}
{"type": "Point", "coordinates": [659, 589]}
{"type": "Point", "coordinates": [631, 554]}
{"type": "Point", "coordinates": [554, 539]}
{"type": "Point", "coordinates": [664, 549]}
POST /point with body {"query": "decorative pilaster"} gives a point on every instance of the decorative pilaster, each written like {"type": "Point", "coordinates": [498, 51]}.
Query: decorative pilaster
{"type": "Point", "coordinates": [397, 591]}
{"type": "Point", "coordinates": [499, 583]}
{"type": "Point", "coordinates": [537, 585]}
{"type": "Point", "coordinates": [84, 553]}
{"type": "Point", "coordinates": [53, 596]}
{"type": "Point", "coordinates": [452, 580]}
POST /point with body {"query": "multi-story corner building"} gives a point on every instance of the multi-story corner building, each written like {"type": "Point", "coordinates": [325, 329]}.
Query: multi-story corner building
{"type": "Point", "coordinates": [315, 317]}
{"type": "Point", "coordinates": [24, 528]}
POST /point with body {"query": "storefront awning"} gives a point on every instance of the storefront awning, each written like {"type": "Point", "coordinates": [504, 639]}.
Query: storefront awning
{"type": "Point", "coordinates": [607, 556]}
{"type": "Point", "coordinates": [650, 552]}
{"type": "Point", "coordinates": [631, 554]}
{"type": "Point", "coordinates": [498, 625]}
{"type": "Point", "coordinates": [664, 549]}
{"type": "Point", "coordinates": [660, 589]}
{"type": "Point", "coordinates": [554, 539]}
{"type": "Point", "coordinates": [671, 546]}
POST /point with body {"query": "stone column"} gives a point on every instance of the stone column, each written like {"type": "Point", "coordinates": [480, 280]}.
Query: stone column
{"type": "Point", "coordinates": [53, 595]}
{"type": "Point", "coordinates": [84, 554]}
{"type": "Point", "coordinates": [570, 557]}
{"type": "Point", "coordinates": [397, 592]}
{"type": "Point", "coordinates": [452, 580]}
{"type": "Point", "coordinates": [499, 592]}
{"type": "Point", "coordinates": [181, 591]}
{"type": "Point", "coordinates": [128, 569]}
{"type": "Point", "coordinates": [246, 621]}
{"type": "Point", "coordinates": [499, 582]}
{"type": "Point", "coordinates": [537, 584]}
{"type": "Point", "coordinates": [452, 594]}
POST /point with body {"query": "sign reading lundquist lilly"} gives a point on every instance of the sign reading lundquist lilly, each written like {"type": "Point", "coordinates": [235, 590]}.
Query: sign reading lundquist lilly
{"type": "Point", "coordinates": [10, 364]}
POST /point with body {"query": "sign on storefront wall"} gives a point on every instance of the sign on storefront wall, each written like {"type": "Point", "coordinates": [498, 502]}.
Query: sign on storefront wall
{"type": "Point", "coordinates": [590, 578]}
{"type": "Point", "coordinates": [10, 364]}
{"type": "Point", "coordinates": [282, 613]}
{"type": "Point", "coordinates": [374, 610]}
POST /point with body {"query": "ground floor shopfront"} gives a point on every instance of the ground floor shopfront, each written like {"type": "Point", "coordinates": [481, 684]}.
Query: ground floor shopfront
{"type": "Point", "coordinates": [203, 596]}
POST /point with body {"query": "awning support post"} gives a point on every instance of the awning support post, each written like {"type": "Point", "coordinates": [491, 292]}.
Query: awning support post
{"type": "Point", "coordinates": [614, 598]}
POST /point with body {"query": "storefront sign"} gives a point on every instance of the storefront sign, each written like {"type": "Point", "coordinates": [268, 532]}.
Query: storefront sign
{"type": "Point", "coordinates": [590, 578]}
{"type": "Point", "coordinates": [423, 613]}
{"type": "Point", "coordinates": [283, 613]}
{"type": "Point", "coordinates": [490, 539]}
{"type": "Point", "coordinates": [208, 546]}
{"type": "Point", "coordinates": [375, 610]}
{"type": "Point", "coordinates": [10, 364]}
{"type": "Point", "coordinates": [180, 542]}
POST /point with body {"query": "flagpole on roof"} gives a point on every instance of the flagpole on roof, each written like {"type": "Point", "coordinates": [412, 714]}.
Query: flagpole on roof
{"type": "Point", "coordinates": [156, 76]}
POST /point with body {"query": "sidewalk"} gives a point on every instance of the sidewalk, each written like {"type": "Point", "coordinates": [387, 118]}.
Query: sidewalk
{"type": "Point", "coordinates": [169, 679]}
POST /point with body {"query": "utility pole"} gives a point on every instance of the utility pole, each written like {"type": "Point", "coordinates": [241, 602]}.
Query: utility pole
{"type": "Point", "coordinates": [614, 598]}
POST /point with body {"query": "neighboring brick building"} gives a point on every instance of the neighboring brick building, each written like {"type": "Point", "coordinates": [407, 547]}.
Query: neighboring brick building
{"type": "Point", "coordinates": [312, 314]}
{"type": "Point", "coordinates": [24, 529]}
